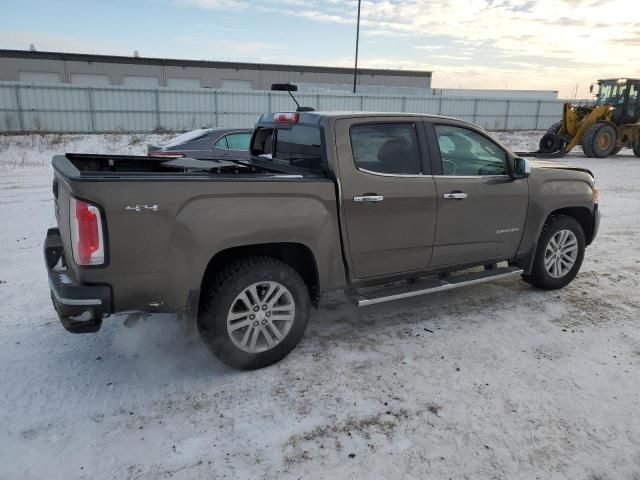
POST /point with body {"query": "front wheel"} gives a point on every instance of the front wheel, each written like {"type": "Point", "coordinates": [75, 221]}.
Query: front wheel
{"type": "Point", "coordinates": [254, 312]}
{"type": "Point", "coordinates": [559, 254]}
{"type": "Point", "coordinates": [599, 140]}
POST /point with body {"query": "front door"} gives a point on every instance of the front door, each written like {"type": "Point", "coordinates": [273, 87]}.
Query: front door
{"type": "Point", "coordinates": [388, 195]}
{"type": "Point", "coordinates": [481, 209]}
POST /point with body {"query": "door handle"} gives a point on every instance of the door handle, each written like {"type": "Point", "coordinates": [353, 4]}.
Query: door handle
{"type": "Point", "coordinates": [455, 195]}
{"type": "Point", "coordinates": [368, 197]}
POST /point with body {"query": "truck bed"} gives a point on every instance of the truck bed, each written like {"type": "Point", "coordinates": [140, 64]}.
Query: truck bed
{"type": "Point", "coordinates": [165, 219]}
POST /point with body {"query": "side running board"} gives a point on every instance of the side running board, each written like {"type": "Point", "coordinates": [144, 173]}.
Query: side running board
{"type": "Point", "coordinates": [389, 293]}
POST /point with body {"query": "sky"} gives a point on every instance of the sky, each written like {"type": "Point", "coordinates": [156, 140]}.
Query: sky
{"type": "Point", "coordinates": [562, 45]}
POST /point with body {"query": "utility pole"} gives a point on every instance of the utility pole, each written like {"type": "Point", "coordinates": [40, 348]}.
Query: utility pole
{"type": "Point", "coordinates": [355, 69]}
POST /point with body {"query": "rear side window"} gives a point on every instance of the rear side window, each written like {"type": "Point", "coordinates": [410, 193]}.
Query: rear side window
{"type": "Point", "coordinates": [238, 141]}
{"type": "Point", "coordinates": [468, 153]}
{"type": "Point", "coordinates": [222, 143]}
{"type": "Point", "coordinates": [299, 146]}
{"type": "Point", "coordinates": [386, 148]}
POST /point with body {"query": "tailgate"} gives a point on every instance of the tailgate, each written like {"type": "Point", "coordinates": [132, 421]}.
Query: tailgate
{"type": "Point", "coordinates": [62, 196]}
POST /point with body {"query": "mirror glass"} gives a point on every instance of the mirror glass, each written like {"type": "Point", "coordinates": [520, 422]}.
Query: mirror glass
{"type": "Point", "coordinates": [521, 167]}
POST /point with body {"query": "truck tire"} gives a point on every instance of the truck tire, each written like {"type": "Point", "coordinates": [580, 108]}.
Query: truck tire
{"type": "Point", "coordinates": [599, 140]}
{"type": "Point", "coordinates": [559, 254]}
{"type": "Point", "coordinates": [254, 312]}
{"type": "Point", "coordinates": [555, 128]}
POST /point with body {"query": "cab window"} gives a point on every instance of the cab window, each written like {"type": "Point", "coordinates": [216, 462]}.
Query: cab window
{"type": "Point", "coordinates": [386, 148]}
{"type": "Point", "coordinates": [297, 146]}
{"type": "Point", "coordinates": [465, 152]}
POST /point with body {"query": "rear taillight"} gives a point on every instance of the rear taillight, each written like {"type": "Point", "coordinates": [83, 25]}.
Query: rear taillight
{"type": "Point", "coordinates": [87, 239]}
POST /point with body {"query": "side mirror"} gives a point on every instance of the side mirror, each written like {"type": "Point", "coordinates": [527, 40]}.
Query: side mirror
{"type": "Point", "coordinates": [521, 167]}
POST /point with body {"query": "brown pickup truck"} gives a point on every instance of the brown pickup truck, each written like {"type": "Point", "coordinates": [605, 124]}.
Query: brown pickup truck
{"type": "Point", "coordinates": [383, 206]}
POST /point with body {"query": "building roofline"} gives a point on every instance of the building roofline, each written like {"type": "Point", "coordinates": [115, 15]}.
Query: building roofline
{"type": "Point", "coordinates": [82, 57]}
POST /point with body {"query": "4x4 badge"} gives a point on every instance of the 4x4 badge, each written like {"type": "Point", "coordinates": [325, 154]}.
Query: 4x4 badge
{"type": "Point", "coordinates": [139, 208]}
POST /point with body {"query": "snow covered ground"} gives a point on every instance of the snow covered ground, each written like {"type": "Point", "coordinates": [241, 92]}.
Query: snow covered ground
{"type": "Point", "coordinates": [490, 381]}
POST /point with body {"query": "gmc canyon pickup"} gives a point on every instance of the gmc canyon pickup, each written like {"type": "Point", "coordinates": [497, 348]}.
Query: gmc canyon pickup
{"type": "Point", "coordinates": [383, 206]}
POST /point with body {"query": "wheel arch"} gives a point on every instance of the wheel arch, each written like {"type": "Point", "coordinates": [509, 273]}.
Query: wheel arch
{"type": "Point", "coordinates": [583, 215]}
{"type": "Point", "coordinates": [297, 255]}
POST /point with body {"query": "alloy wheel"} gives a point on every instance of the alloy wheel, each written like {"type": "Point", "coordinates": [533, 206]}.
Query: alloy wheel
{"type": "Point", "coordinates": [261, 316]}
{"type": "Point", "coordinates": [561, 253]}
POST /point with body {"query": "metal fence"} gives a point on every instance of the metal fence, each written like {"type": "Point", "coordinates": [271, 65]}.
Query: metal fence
{"type": "Point", "coordinates": [28, 107]}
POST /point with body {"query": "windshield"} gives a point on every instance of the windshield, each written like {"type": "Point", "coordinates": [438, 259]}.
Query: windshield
{"type": "Point", "coordinates": [298, 146]}
{"type": "Point", "coordinates": [611, 93]}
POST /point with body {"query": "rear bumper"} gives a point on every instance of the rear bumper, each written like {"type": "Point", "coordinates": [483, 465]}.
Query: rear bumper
{"type": "Point", "coordinates": [80, 307]}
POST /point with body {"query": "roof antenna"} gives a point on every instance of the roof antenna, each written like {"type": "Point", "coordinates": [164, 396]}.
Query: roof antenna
{"type": "Point", "coordinates": [289, 87]}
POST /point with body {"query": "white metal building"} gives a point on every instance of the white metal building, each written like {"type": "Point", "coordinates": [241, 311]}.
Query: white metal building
{"type": "Point", "coordinates": [493, 93]}
{"type": "Point", "coordinates": [142, 72]}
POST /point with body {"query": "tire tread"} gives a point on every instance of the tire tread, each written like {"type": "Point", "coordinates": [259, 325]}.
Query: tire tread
{"type": "Point", "coordinates": [589, 140]}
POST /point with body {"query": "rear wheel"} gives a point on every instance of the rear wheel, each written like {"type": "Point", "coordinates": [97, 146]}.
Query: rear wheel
{"type": "Point", "coordinates": [254, 312]}
{"type": "Point", "coordinates": [599, 140]}
{"type": "Point", "coordinates": [559, 254]}
{"type": "Point", "coordinates": [636, 149]}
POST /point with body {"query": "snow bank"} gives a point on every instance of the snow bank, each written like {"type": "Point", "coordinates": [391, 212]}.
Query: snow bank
{"type": "Point", "coordinates": [37, 150]}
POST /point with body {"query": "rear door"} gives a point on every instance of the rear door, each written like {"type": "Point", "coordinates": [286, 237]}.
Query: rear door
{"type": "Point", "coordinates": [481, 208]}
{"type": "Point", "coordinates": [388, 195]}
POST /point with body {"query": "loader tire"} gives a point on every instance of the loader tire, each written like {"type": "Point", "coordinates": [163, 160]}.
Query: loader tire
{"type": "Point", "coordinates": [555, 128]}
{"type": "Point", "coordinates": [636, 149]}
{"type": "Point", "coordinates": [599, 140]}
{"type": "Point", "coordinates": [550, 143]}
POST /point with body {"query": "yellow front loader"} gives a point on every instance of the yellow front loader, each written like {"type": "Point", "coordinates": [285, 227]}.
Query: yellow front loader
{"type": "Point", "coordinates": [602, 129]}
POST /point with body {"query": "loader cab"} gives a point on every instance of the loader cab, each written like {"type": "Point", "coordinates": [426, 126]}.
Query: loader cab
{"type": "Point", "coordinates": [622, 94]}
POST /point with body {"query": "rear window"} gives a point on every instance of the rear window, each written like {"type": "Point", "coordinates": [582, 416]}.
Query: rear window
{"type": "Point", "coordinates": [188, 137]}
{"type": "Point", "coordinates": [298, 146]}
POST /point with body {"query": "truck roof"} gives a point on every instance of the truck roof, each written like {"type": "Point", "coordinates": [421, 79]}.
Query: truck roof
{"type": "Point", "coordinates": [315, 117]}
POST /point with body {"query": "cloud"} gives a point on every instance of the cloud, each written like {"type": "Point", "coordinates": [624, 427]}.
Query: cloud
{"type": "Point", "coordinates": [536, 42]}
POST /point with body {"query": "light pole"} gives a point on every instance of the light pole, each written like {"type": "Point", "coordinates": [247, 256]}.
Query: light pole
{"type": "Point", "coordinates": [355, 69]}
